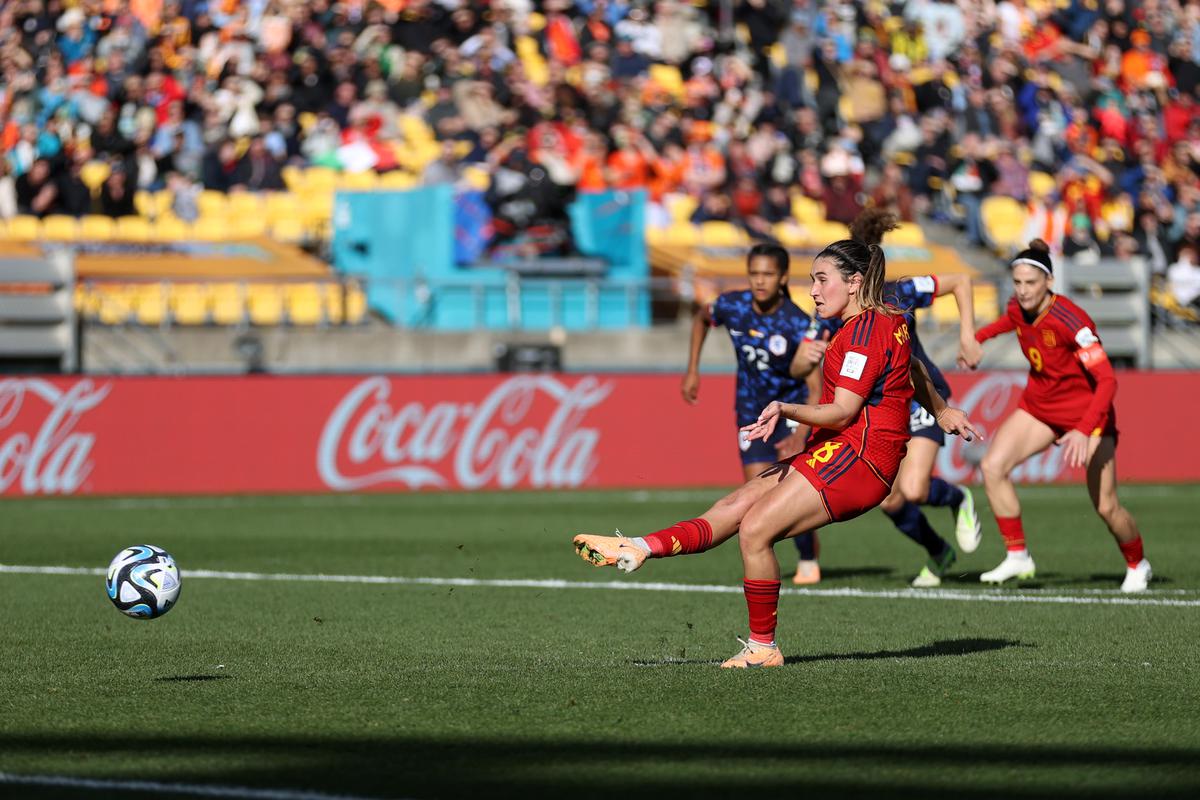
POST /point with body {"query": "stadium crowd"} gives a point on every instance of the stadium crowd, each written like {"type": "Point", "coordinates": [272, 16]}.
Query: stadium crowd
{"type": "Point", "coordinates": [1083, 110]}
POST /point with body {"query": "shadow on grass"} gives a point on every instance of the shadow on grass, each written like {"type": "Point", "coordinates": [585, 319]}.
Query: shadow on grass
{"type": "Point", "coordinates": [407, 766]}
{"type": "Point", "coordinates": [190, 678]}
{"type": "Point", "coordinates": [943, 648]}
{"type": "Point", "coordinates": [834, 573]}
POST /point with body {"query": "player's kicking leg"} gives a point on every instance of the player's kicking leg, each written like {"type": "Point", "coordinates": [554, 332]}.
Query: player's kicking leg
{"type": "Point", "coordinates": [683, 538]}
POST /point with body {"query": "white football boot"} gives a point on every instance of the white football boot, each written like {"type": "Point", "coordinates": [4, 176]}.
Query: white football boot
{"type": "Point", "coordinates": [967, 530]}
{"type": "Point", "coordinates": [1137, 578]}
{"type": "Point", "coordinates": [1015, 565]}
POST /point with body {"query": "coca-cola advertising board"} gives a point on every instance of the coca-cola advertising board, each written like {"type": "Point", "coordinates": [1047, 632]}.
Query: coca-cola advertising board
{"type": "Point", "coordinates": [127, 435]}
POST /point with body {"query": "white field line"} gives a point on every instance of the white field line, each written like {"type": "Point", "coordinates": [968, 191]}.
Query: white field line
{"type": "Point", "coordinates": [459, 499]}
{"type": "Point", "coordinates": [958, 595]}
{"type": "Point", "coordinates": [157, 787]}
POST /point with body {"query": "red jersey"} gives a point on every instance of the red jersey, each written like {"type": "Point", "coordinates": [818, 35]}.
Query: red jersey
{"type": "Point", "coordinates": [1071, 384]}
{"type": "Point", "coordinates": [870, 357]}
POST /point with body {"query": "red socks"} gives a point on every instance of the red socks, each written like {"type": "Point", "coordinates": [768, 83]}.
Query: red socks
{"type": "Point", "coordinates": [762, 601]}
{"type": "Point", "coordinates": [682, 538]}
{"type": "Point", "coordinates": [1013, 533]}
{"type": "Point", "coordinates": [1132, 551]}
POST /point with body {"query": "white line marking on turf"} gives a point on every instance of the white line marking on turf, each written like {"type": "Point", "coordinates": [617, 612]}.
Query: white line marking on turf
{"type": "Point", "coordinates": [963, 595]}
{"type": "Point", "coordinates": [203, 790]}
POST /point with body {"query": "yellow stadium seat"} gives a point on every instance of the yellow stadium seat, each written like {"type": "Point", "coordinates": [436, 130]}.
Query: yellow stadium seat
{"type": "Point", "coordinates": [132, 229]}
{"type": "Point", "coordinates": [1042, 184]}
{"type": "Point", "coordinates": [320, 179]}
{"type": "Point", "coordinates": [806, 210]}
{"type": "Point", "coordinates": [945, 310]}
{"type": "Point", "coordinates": [265, 303]}
{"type": "Point", "coordinates": [359, 181]}
{"type": "Point", "coordinates": [1003, 222]}
{"type": "Point", "coordinates": [681, 206]}
{"type": "Point", "coordinates": [87, 301]}
{"type": "Point", "coordinates": [94, 174]}
{"type": "Point", "coordinates": [477, 178]}
{"type": "Point", "coordinates": [60, 228]}
{"type": "Point", "coordinates": [722, 234]}
{"type": "Point", "coordinates": [293, 177]}
{"type": "Point", "coordinates": [790, 234]}
{"type": "Point", "coordinates": [145, 203]}
{"type": "Point", "coordinates": [24, 228]}
{"type": "Point", "coordinates": [189, 303]}
{"type": "Point", "coordinates": [227, 303]}
{"type": "Point", "coordinates": [908, 234]}
{"type": "Point", "coordinates": [248, 227]}
{"type": "Point", "coordinates": [668, 78]}
{"type": "Point", "coordinates": [245, 205]}
{"type": "Point", "coordinates": [97, 228]}
{"type": "Point", "coordinates": [213, 204]}
{"type": "Point", "coordinates": [116, 304]}
{"type": "Point", "coordinates": [316, 209]}
{"type": "Point", "coordinates": [415, 129]}
{"type": "Point", "coordinates": [290, 230]}
{"type": "Point", "coordinates": [170, 229]}
{"type": "Point", "coordinates": [398, 179]}
{"type": "Point", "coordinates": [150, 304]}
{"type": "Point", "coordinates": [356, 304]}
{"type": "Point", "coordinates": [211, 229]}
{"type": "Point", "coordinates": [303, 302]}
{"type": "Point", "coordinates": [681, 233]}
{"type": "Point", "coordinates": [826, 232]}
{"type": "Point", "coordinates": [281, 206]}
{"type": "Point", "coordinates": [164, 203]}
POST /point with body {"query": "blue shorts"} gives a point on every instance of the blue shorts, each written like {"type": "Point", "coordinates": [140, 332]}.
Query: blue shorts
{"type": "Point", "coordinates": [760, 452]}
{"type": "Point", "coordinates": [921, 423]}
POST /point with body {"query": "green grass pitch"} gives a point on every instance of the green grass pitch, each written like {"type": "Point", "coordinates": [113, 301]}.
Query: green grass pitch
{"type": "Point", "coordinates": [445, 691]}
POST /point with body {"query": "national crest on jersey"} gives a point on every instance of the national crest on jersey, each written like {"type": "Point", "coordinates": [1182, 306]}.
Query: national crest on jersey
{"type": "Point", "coordinates": [764, 345]}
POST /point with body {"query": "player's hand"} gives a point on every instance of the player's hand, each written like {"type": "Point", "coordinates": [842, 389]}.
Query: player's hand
{"type": "Point", "coordinates": [813, 350]}
{"type": "Point", "coordinates": [764, 426]}
{"type": "Point", "coordinates": [954, 421]}
{"type": "Point", "coordinates": [690, 388]}
{"type": "Point", "coordinates": [970, 353]}
{"type": "Point", "coordinates": [1075, 448]}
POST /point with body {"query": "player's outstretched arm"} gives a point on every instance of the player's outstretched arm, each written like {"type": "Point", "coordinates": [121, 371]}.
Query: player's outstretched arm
{"type": "Point", "coordinates": [951, 420]}
{"type": "Point", "coordinates": [689, 387]}
{"type": "Point", "coordinates": [837, 415]}
{"type": "Point", "coordinates": [970, 353]}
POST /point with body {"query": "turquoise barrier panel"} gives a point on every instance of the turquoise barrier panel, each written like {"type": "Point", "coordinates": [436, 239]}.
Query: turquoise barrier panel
{"type": "Point", "coordinates": [404, 244]}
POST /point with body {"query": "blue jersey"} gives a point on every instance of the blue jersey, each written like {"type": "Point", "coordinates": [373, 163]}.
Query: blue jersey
{"type": "Point", "coordinates": [909, 294]}
{"type": "Point", "coordinates": [764, 346]}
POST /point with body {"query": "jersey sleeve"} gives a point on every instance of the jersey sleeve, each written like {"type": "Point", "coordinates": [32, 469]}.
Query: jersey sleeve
{"type": "Point", "coordinates": [917, 292]}
{"type": "Point", "coordinates": [719, 310]}
{"type": "Point", "coordinates": [1085, 344]}
{"type": "Point", "coordinates": [865, 355]}
{"type": "Point", "coordinates": [1004, 325]}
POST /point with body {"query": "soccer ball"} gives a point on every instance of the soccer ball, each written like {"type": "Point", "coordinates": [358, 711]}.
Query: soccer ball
{"type": "Point", "coordinates": [143, 581]}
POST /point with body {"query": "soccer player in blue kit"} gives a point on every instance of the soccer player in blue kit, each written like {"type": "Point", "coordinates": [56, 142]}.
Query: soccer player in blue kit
{"type": "Point", "coordinates": [778, 347]}
{"type": "Point", "coordinates": [915, 484]}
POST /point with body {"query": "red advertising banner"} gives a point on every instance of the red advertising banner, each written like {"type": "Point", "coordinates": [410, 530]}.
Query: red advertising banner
{"type": "Point", "coordinates": [119, 435]}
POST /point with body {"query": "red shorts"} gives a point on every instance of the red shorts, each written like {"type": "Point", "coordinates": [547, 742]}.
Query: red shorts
{"type": "Point", "coordinates": [1062, 419]}
{"type": "Point", "coordinates": [848, 485]}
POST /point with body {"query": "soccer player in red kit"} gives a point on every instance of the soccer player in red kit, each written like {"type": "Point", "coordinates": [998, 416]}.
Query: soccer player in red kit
{"type": "Point", "coordinates": [1068, 401]}
{"type": "Point", "coordinates": [860, 431]}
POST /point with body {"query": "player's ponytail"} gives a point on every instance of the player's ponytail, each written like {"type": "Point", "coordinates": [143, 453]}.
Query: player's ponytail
{"type": "Point", "coordinates": [781, 259]}
{"type": "Point", "coordinates": [1037, 255]}
{"type": "Point", "coordinates": [871, 224]}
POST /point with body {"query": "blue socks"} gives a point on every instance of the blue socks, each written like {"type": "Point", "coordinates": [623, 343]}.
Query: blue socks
{"type": "Point", "coordinates": [943, 494]}
{"type": "Point", "coordinates": [912, 523]}
{"type": "Point", "coordinates": [806, 544]}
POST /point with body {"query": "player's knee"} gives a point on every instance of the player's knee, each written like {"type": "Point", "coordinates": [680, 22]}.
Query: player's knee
{"type": "Point", "coordinates": [1109, 509]}
{"type": "Point", "coordinates": [755, 535]}
{"type": "Point", "coordinates": [993, 468]}
{"type": "Point", "coordinates": [915, 490]}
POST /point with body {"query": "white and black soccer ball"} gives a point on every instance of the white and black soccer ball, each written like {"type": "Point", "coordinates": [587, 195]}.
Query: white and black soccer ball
{"type": "Point", "coordinates": [143, 581]}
